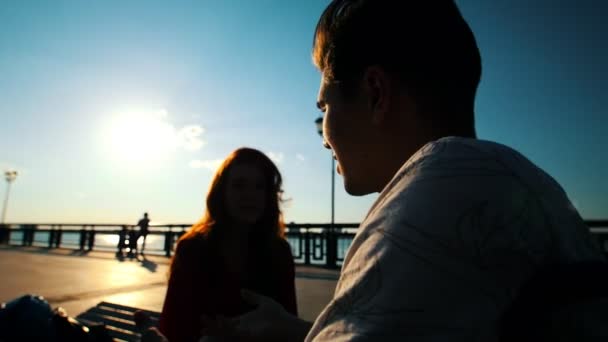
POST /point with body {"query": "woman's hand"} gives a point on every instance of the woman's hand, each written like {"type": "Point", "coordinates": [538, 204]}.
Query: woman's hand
{"type": "Point", "coordinates": [268, 321]}
{"type": "Point", "coordinates": [153, 335]}
{"type": "Point", "coordinates": [218, 325]}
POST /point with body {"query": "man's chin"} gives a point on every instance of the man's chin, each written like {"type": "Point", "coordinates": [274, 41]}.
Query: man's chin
{"type": "Point", "coordinates": [354, 189]}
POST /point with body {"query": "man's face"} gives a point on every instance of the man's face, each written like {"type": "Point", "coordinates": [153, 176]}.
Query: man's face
{"type": "Point", "coordinates": [346, 126]}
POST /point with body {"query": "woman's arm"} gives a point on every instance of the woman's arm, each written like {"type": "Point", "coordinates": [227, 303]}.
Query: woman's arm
{"type": "Point", "coordinates": [287, 287]}
{"type": "Point", "coordinates": [179, 320]}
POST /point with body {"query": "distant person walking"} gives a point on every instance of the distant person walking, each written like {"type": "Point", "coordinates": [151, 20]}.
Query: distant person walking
{"type": "Point", "coordinates": [143, 230]}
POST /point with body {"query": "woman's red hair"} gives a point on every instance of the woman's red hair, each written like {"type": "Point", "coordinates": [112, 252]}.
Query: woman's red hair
{"type": "Point", "coordinates": [271, 224]}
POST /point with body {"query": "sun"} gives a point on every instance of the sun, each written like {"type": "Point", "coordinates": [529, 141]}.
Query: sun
{"type": "Point", "coordinates": [140, 136]}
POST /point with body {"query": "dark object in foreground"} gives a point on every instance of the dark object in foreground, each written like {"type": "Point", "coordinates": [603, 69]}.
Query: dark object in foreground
{"type": "Point", "coordinates": [561, 303]}
{"type": "Point", "coordinates": [30, 318]}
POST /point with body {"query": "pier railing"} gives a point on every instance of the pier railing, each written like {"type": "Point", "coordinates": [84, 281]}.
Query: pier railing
{"type": "Point", "coordinates": [312, 244]}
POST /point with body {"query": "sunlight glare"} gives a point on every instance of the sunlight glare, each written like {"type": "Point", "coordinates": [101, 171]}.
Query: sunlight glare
{"type": "Point", "coordinates": [141, 136]}
{"type": "Point", "coordinates": [111, 240]}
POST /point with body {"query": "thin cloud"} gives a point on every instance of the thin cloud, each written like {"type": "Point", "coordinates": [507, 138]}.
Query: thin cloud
{"type": "Point", "coordinates": [189, 137]}
{"type": "Point", "coordinates": [300, 157]}
{"type": "Point", "coordinates": [275, 157]}
{"type": "Point", "coordinates": [162, 113]}
{"type": "Point", "coordinates": [210, 165]}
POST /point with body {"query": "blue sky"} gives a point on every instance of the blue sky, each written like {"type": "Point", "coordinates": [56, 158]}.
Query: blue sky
{"type": "Point", "coordinates": [111, 108]}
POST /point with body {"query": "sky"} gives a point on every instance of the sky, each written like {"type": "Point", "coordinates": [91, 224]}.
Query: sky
{"type": "Point", "coordinates": [112, 108]}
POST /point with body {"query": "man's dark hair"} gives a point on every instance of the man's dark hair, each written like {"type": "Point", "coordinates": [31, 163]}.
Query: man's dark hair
{"type": "Point", "coordinates": [425, 44]}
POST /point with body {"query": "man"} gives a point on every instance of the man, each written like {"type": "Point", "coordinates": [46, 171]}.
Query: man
{"type": "Point", "coordinates": [460, 223]}
{"type": "Point", "coordinates": [143, 224]}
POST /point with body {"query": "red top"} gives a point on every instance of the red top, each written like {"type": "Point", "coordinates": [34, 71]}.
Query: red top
{"type": "Point", "coordinates": [199, 284]}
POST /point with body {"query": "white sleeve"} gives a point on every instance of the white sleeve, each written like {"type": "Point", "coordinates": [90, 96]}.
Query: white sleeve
{"type": "Point", "coordinates": [437, 261]}
{"type": "Point", "coordinates": [447, 246]}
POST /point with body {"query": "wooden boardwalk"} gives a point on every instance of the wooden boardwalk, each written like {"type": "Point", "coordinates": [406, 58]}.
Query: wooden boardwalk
{"type": "Point", "coordinates": [97, 287]}
{"type": "Point", "coordinates": [118, 320]}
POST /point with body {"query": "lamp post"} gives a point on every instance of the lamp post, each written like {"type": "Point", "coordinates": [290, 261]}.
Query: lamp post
{"type": "Point", "coordinates": [332, 252]}
{"type": "Point", "coordinates": [319, 123]}
{"type": "Point", "coordinates": [10, 176]}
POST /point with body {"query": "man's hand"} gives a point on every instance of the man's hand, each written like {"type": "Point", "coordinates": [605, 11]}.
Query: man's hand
{"type": "Point", "coordinates": [268, 321]}
{"type": "Point", "coordinates": [265, 321]}
{"type": "Point", "coordinates": [218, 325]}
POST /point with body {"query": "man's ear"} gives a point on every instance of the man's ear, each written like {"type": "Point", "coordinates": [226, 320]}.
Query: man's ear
{"type": "Point", "coordinates": [378, 85]}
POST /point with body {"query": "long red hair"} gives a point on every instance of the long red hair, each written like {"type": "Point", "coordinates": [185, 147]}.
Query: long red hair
{"type": "Point", "coordinates": [271, 224]}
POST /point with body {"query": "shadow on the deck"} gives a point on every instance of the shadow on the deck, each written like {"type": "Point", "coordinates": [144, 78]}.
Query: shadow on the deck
{"type": "Point", "coordinates": [118, 320]}
{"type": "Point", "coordinates": [149, 262]}
{"type": "Point", "coordinates": [72, 253]}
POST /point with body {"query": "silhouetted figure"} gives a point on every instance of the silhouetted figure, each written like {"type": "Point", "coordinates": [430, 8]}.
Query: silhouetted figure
{"type": "Point", "coordinates": [132, 244]}
{"type": "Point", "coordinates": [460, 223]}
{"type": "Point", "coordinates": [122, 241]}
{"type": "Point", "coordinates": [132, 238]}
{"type": "Point", "coordinates": [143, 230]}
{"type": "Point", "coordinates": [239, 243]}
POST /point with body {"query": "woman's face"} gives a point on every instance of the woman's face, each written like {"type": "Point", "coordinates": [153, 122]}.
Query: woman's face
{"type": "Point", "coordinates": [245, 197]}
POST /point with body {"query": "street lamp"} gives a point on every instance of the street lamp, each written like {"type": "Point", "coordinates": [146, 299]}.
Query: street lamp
{"type": "Point", "coordinates": [319, 124]}
{"type": "Point", "coordinates": [331, 241]}
{"type": "Point", "coordinates": [10, 176]}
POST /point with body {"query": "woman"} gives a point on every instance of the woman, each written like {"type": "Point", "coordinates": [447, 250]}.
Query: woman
{"type": "Point", "coordinates": [239, 243]}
